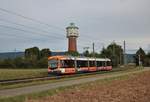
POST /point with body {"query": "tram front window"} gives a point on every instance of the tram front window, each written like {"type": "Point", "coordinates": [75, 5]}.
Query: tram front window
{"type": "Point", "coordinates": [108, 63]}
{"type": "Point", "coordinates": [52, 64]}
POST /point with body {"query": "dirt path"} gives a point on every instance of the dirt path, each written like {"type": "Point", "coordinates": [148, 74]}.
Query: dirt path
{"type": "Point", "coordinates": [38, 88]}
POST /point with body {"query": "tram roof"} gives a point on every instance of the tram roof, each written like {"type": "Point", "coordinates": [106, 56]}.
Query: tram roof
{"type": "Point", "coordinates": [78, 58]}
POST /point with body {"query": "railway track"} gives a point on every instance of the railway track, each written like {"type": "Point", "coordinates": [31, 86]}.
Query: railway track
{"type": "Point", "coordinates": [24, 80]}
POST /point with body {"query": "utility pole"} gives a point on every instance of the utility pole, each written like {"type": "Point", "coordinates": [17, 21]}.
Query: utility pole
{"type": "Point", "coordinates": [139, 59]}
{"type": "Point", "coordinates": [93, 49]}
{"type": "Point", "coordinates": [113, 47]}
{"type": "Point", "coordinates": [15, 53]}
{"type": "Point", "coordinates": [124, 52]}
{"type": "Point", "coordinates": [94, 53]}
{"type": "Point", "coordinates": [120, 57]}
{"type": "Point", "coordinates": [113, 56]}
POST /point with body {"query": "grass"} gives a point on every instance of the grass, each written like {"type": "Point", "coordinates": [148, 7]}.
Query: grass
{"type": "Point", "coordinates": [23, 98]}
{"type": "Point", "coordinates": [6, 74]}
{"type": "Point", "coordinates": [17, 85]}
{"type": "Point", "coordinates": [39, 95]}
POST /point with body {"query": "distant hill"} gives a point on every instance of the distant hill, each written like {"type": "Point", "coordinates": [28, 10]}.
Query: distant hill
{"type": "Point", "coordinates": [57, 53]}
{"type": "Point", "coordinates": [130, 58]}
{"type": "Point", "coordinates": [11, 55]}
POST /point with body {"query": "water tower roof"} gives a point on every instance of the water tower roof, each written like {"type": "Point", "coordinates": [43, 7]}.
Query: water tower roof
{"type": "Point", "coordinates": [72, 25]}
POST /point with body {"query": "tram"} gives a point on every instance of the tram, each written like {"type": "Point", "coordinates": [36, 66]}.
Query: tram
{"type": "Point", "coordinates": [71, 65]}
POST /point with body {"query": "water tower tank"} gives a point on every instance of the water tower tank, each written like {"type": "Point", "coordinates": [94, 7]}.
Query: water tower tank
{"type": "Point", "coordinates": [72, 35]}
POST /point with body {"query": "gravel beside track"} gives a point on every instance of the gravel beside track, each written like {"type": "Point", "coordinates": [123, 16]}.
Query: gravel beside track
{"type": "Point", "coordinates": [44, 87]}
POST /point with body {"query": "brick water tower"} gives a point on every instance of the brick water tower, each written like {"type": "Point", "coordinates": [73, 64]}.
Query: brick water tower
{"type": "Point", "coordinates": [72, 35]}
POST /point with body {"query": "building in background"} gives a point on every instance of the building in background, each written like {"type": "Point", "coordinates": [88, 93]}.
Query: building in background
{"type": "Point", "coordinates": [72, 35]}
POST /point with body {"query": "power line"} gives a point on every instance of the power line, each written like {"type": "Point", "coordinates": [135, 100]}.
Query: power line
{"type": "Point", "coordinates": [29, 18]}
{"type": "Point", "coordinates": [26, 26]}
{"type": "Point", "coordinates": [34, 20]}
{"type": "Point", "coordinates": [20, 37]}
{"type": "Point", "coordinates": [25, 39]}
{"type": "Point", "coordinates": [93, 45]}
{"type": "Point", "coordinates": [37, 28]}
{"type": "Point", "coordinates": [4, 26]}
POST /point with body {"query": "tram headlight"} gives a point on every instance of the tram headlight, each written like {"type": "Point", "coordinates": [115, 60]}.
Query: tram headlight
{"type": "Point", "coordinates": [62, 70]}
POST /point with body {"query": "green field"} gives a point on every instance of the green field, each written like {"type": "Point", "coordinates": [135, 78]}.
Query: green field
{"type": "Point", "coordinates": [6, 74]}
{"type": "Point", "coordinates": [26, 73]}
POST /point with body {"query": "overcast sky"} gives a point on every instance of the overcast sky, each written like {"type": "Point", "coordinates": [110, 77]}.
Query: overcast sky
{"type": "Point", "coordinates": [99, 21]}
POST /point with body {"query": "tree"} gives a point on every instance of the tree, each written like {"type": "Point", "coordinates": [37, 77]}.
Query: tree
{"type": "Point", "coordinates": [147, 59]}
{"type": "Point", "coordinates": [18, 62]}
{"type": "Point", "coordinates": [105, 53]}
{"type": "Point", "coordinates": [36, 58]}
{"type": "Point", "coordinates": [7, 63]}
{"type": "Point", "coordinates": [72, 53]}
{"type": "Point", "coordinates": [45, 53]}
{"type": "Point", "coordinates": [114, 52]}
{"type": "Point", "coordinates": [42, 63]}
{"type": "Point", "coordinates": [32, 53]}
{"type": "Point", "coordinates": [86, 53]}
{"type": "Point", "coordinates": [140, 55]}
{"type": "Point", "coordinates": [148, 55]}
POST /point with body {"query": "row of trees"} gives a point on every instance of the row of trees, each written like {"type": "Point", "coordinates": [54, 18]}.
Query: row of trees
{"type": "Point", "coordinates": [142, 58]}
{"type": "Point", "coordinates": [115, 53]}
{"type": "Point", "coordinates": [112, 51]}
{"type": "Point", "coordinates": [33, 58]}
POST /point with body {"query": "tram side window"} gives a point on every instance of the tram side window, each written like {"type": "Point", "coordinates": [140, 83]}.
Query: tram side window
{"type": "Point", "coordinates": [82, 63]}
{"type": "Point", "coordinates": [92, 63]}
{"type": "Point", "coordinates": [99, 64]}
{"type": "Point", "coordinates": [103, 63]}
{"type": "Point", "coordinates": [68, 63]}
